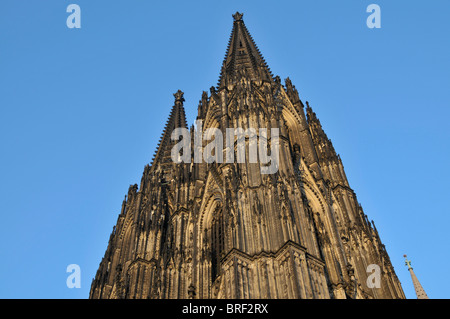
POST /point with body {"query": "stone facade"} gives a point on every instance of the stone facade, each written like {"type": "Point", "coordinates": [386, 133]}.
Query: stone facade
{"type": "Point", "coordinates": [224, 230]}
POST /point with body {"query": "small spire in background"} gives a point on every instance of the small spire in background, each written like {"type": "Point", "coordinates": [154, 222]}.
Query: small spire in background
{"type": "Point", "coordinates": [420, 292]}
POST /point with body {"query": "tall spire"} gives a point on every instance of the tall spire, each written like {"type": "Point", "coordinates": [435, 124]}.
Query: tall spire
{"type": "Point", "coordinates": [243, 56]}
{"type": "Point", "coordinates": [177, 119]}
{"type": "Point", "coordinates": [420, 292]}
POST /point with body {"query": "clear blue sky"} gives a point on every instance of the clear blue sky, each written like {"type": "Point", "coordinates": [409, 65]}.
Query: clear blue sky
{"type": "Point", "coordinates": [82, 111]}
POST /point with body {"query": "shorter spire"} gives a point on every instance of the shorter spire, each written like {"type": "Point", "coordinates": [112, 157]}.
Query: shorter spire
{"type": "Point", "coordinates": [420, 292]}
{"type": "Point", "coordinates": [177, 119]}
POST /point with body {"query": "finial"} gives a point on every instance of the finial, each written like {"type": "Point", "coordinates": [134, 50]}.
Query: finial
{"type": "Point", "coordinates": [179, 96]}
{"type": "Point", "coordinates": [277, 80]}
{"type": "Point", "coordinates": [407, 262]}
{"type": "Point", "coordinates": [237, 16]}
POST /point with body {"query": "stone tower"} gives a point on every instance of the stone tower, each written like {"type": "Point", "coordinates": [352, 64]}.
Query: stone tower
{"type": "Point", "coordinates": [225, 229]}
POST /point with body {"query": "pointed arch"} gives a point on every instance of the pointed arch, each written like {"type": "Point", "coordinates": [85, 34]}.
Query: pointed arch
{"type": "Point", "coordinates": [212, 233]}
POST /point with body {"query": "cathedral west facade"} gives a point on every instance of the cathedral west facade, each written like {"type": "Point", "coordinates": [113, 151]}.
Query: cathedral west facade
{"type": "Point", "coordinates": [225, 229]}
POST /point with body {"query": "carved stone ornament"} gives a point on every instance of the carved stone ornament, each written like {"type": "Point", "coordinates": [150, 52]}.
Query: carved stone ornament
{"type": "Point", "coordinates": [238, 16]}
{"type": "Point", "coordinates": [179, 96]}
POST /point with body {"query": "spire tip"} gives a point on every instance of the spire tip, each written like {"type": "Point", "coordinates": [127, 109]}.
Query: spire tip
{"type": "Point", "coordinates": [179, 96]}
{"type": "Point", "coordinates": [407, 262]}
{"type": "Point", "coordinates": [238, 16]}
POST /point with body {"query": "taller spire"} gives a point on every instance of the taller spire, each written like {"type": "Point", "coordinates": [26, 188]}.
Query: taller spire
{"type": "Point", "coordinates": [243, 56]}
{"type": "Point", "coordinates": [420, 292]}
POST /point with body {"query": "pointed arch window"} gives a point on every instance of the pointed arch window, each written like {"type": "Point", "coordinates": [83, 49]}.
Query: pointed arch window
{"type": "Point", "coordinates": [217, 241]}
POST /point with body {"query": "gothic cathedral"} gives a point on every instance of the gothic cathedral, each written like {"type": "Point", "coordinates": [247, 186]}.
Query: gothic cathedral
{"type": "Point", "coordinates": [226, 230]}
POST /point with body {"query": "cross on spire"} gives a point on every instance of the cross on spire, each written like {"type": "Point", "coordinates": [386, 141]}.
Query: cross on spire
{"type": "Point", "coordinates": [407, 262]}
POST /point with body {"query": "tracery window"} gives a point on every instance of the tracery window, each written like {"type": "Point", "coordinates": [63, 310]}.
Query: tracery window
{"type": "Point", "coordinates": [217, 241]}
